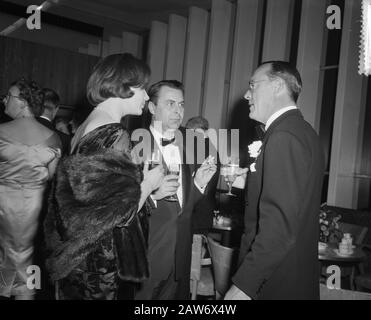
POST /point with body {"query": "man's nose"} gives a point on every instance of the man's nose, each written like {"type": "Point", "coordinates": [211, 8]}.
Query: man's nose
{"type": "Point", "coordinates": [179, 108]}
{"type": "Point", "coordinates": [247, 95]}
{"type": "Point", "coordinates": [146, 97]}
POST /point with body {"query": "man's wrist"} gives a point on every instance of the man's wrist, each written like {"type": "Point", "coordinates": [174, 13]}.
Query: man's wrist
{"type": "Point", "coordinates": [202, 189]}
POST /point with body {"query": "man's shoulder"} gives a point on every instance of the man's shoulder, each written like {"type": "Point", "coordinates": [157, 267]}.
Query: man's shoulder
{"type": "Point", "coordinates": [293, 123]}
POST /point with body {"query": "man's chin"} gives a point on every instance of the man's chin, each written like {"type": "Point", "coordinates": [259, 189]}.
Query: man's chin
{"type": "Point", "coordinates": [252, 116]}
{"type": "Point", "coordinates": [175, 126]}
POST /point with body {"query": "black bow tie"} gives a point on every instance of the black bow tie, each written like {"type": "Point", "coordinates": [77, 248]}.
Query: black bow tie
{"type": "Point", "coordinates": [165, 142]}
{"type": "Point", "coordinates": [260, 132]}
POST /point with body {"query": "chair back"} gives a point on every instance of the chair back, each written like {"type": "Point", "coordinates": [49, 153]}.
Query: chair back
{"type": "Point", "coordinates": [198, 248]}
{"type": "Point", "coordinates": [222, 261]}
{"type": "Point", "coordinates": [342, 294]}
{"type": "Point", "coordinates": [358, 232]}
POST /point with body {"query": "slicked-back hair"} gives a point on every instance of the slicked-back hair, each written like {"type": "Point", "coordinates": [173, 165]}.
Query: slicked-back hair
{"type": "Point", "coordinates": [30, 91]}
{"type": "Point", "coordinates": [114, 75]}
{"type": "Point", "coordinates": [51, 98]}
{"type": "Point", "coordinates": [289, 74]}
{"type": "Point", "coordinates": [155, 88]}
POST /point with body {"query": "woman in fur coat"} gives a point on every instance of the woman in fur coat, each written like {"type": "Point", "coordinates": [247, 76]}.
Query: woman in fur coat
{"type": "Point", "coordinates": [95, 230]}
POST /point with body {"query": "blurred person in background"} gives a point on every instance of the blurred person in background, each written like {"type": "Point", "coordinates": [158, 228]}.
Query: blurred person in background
{"type": "Point", "coordinates": [51, 107]}
{"type": "Point", "coordinates": [29, 153]}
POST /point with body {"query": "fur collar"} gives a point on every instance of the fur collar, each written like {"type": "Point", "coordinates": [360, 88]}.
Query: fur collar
{"type": "Point", "coordinates": [91, 195]}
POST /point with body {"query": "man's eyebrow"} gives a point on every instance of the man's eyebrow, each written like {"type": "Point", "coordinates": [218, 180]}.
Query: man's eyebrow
{"type": "Point", "coordinates": [172, 100]}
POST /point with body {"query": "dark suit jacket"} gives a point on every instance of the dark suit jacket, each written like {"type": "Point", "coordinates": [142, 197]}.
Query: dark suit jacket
{"type": "Point", "coordinates": [65, 139]}
{"type": "Point", "coordinates": [279, 249]}
{"type": "Point", "coordinates": [170, 236]}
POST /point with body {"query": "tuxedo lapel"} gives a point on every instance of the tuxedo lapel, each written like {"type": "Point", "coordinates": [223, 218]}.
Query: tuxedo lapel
{"type": "Point", "coordinates": [186, 183]}
{"type": "Point", "coordinates": [46, 123]}
{"type": "Point", "coordinates": [186, 174]}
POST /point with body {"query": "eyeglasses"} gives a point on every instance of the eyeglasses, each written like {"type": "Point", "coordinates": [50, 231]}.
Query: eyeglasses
{"type": "Point", "coordinates": [8, 95]}
{"type": "Point", "coordinates": [252, 83]}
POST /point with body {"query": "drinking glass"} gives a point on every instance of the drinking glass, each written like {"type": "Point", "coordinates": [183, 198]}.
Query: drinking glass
{"type": "Point", "coordinates": [229, 171]}
{"type": "Point", "coordinates": [173, 169]}
{"type": "Point", "coordinates": [155, 159]}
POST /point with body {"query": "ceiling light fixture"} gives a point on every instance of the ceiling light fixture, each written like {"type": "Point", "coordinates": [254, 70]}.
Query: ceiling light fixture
{"type": "Point", "coordinates": [20, 22]}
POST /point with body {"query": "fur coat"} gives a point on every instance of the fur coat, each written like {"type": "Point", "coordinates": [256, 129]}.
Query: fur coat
{"type": "Point", "coordinates": [95, 196]}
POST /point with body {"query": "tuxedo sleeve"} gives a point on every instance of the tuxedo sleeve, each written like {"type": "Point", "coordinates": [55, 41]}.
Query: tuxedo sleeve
{"type": "Point", "coordinates": [285, 175]}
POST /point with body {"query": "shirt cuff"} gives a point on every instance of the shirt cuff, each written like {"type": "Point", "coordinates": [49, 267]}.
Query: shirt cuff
{"type": "Point", "coordinates": [202, 190]}
{"type": "Point", "coordinates": [239, 183]}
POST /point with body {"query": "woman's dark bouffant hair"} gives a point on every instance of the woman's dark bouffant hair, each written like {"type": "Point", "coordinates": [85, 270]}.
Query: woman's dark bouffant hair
{"type": "Point", "coordinates": [31, 93]}
{"type": "Point", "coordinates": [114, 75]}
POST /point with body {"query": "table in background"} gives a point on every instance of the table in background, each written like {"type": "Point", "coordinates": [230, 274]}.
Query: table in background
{"type": "Point", "coordinates": [328, 256]}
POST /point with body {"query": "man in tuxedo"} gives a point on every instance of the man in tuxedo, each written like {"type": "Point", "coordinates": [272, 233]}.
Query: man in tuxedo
{"type": "Point", "coordinates": [170, 236]}
{"type": "Point", "coordinates": [51, 101]}
{"type": "Point", "coordinates": [279, 248]}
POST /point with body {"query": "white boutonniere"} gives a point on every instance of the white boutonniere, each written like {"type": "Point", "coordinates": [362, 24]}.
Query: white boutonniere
{"type": "Point", "coordinates": [254, 151]}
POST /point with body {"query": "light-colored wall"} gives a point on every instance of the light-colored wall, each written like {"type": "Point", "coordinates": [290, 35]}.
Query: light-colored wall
{"type": "Point", "coordinates": [175, 49]}
{"type": "Point", "coordinates": [216, 65]}
{"type": "Point", "coordinates": [157, 50]}
{"type": "Point", "coordinates": [195, 57]}
{"type": "Point", "coordinates": [245, 53]}
{"type": "Point", "coordinates": [347, 139]}
{"type": "Point", "coordinates": [277, 31]}
{"type": "Point", "coordinates": [310, 51]}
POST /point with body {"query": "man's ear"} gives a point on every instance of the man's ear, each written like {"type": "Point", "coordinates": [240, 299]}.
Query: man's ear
{"type": "Point", "coordinates": [279, 85]}
{"type": "Point", "coordinates": [56, 111]}
{"type": "Point", "coordinates": [151, 107]}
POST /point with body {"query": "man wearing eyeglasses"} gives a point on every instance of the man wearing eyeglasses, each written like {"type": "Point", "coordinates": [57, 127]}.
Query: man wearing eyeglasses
{"type": "Point", "coordinates": [279, 248]}
{"type": "Point", "coordinates": [51, 101]}
{"type": "Point", "coordinates": [170, 235]}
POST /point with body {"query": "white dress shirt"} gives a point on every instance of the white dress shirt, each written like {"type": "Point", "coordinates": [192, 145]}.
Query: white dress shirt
{"type": "Point", "coordinates": [46, 118]}
{"type": "Point", "coordinates": [275, 115]}
{"type": "Point", "coordinates": [170, 154]}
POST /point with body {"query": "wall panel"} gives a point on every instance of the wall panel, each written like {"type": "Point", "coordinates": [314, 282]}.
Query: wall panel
{"type": "Point", "coordinates": [195, 59]}
{"type": "Point", "coordinates": [176, 37]}
{"type": "Point", "coordinates": [277, 31]}
{"type": "Point", "coordinates": [217, 59]}
{"type": "Point", "coordinates": [131, 43]}
{"type": "Point", "coordinates": [157, 50]}
{"type": "Point", "coordinates": [346, 154]}
{"type": "Point", "coordinates": [311, 46]}
{"type": "Point", "coordinates": [64, 71]}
